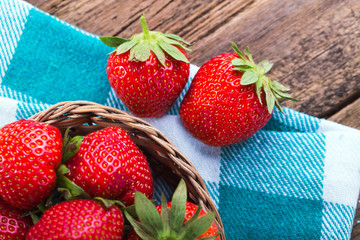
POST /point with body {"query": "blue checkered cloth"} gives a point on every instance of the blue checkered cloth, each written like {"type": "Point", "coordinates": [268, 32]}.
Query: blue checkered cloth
{"type": "Point", "coordinates": [297, 178]}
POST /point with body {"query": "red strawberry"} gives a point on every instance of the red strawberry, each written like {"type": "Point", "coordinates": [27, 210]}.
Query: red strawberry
{"type": "Point", "coordinates": [30, 152]}
{"type": "Point", "coordinates": [108, 164]}
{"type": "Point", "coordinates": [12, 224]}
{"type": "Point", "coordinates": [177, 219]}
{"type": "Point", "coordinates": [149, 71]}
{"type": "Point", "coordinates": [79, 219]}
{"type": "Point", "coordinates": [230, 99]}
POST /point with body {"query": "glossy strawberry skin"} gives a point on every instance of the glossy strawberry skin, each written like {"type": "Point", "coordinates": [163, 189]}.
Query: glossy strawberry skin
{"type": "Point", "coordinates": [190, 211]}
{"type": "Point", "coordinates": [217, 109]}
{"type": "Point", "coordinates": [148, 88]}
{"type": "Point", "coordinates": [110, 165]}
{"type": "Point", "coordinates": [79, 219]}
{"type": "Point", "coordinates": [13, 225]}
{"type": "Point", "coordinates": [30, 152]}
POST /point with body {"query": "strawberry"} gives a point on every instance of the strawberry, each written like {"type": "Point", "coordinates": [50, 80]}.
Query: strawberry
{"type": "Point", "coordinates": [178, 219]}
{"type": "Point", "coordinates": [230, 99]}
{"type": "Point", "coordinates": [12, 223]}
{"type": "Point", "coordinates": [108, 164]}
{"type": "Point", "coordinates": [148, 71]}
{"type": "Point", "coordinates": [30, 152]}
{"type": "Point", "coordinates": [79, 219]}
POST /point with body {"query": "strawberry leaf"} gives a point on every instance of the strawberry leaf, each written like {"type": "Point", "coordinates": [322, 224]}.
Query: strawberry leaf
{"type": "Point", "coordinates": [175, 43]}
{"type": "Point", "coordinates": [173, 51]}
{"type": "Point", "coordinates": [71, 147]}
{"type": "Point", "coordinates": [113, 41]}
{"type": "Point", "coordinates": [65, 193]}
{"type": "Point", "coordinates": [62, 170]}
{"type": "Point", "coordinates": [140, 228]}
{"type": "Point", "coordinates": [277, 104]}
{"type": "Point", "coordinates": [41, 206]}
{"type": "Point", "coordinates": [177, 38]}
{"type": "Point", "coordinates": [266, 65]}
{"type": "Point", "coordinates": [158, 53]}
{"type": "Point", "coordinates": [286, 96]}
{"type": "Point", "coordinates": [74, 189]}
{"type": "Point", "coordinates": [248, 55]}
{"type": "Point", "coordinates": [131, 210]}
{"type": "Point", "coordinates": [258, 87]}
{"type": "Point", "coordinates": [165, 216]}
{"type": "Point", "coordinates": [132, 54]}
{"type": "Point", "coordinates": [237, 50]}
{"type": "Point", "coordinates": [35, 218]}
{"type": "Point", "coordinates": [249, 77]}
{"type": "Point", "coordinates": [147, 212]}
{"type": "Point", "coordinates": [125, 47]}
{"type": "Point", "coordinates": [108, 203]}
{"type": "Point", "coordinates": [239, 62]}
{"type": "Point", "coordinates": [65, 183]}
{"type": "Point", "coordinates": [178, 206]}
{"type": "Point", "coordinates": [66, 137]}
{"type": "Point", "coordinates": [270, 98]}
{"type": "Point", "coordinates": [279, 86]}
{"type": "Point", "coordinates": [198, 226]}
{"type": "Point", "coordinates": [242, 68]}
{"type": "Point", "coordinates": [48, 202]}
{"type": "Point", "coordinates": [141, 52]}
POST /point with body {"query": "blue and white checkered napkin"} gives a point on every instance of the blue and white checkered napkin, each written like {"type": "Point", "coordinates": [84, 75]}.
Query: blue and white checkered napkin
{"type": "Point", "coordinates": [297, 178]}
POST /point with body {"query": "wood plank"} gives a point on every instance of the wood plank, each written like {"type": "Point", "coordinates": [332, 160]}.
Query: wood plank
{"type": "Point", "coordinates": [349, 116]}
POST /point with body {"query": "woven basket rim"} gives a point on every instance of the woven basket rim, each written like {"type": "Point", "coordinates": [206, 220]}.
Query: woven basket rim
{"type": "Point", "coordinates": [77, 113]}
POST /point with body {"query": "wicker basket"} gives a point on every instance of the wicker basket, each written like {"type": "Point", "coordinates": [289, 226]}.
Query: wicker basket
{"type": "Point", "coordinates": [164, 158]}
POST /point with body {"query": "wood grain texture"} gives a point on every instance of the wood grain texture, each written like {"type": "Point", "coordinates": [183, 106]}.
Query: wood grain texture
{"type": "Point", "coordinates": [349, 116]}
{"type": "Point", "coordinates": [314, 44]}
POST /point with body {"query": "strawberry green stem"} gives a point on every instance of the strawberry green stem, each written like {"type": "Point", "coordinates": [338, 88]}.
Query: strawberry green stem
{"type": "Point", "coordinates": [143, 44]}
{"type": "Point", "coordinates": [169, 224]}
{"type": "Point", "coordinates": [145, 27]}
{"type": "Point", "coordinates": [255, 74]}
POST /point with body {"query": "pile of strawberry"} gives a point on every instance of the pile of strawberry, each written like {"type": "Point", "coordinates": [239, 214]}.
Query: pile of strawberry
{"type": "Point", "coordinates": [58, 187]}
{"type": "Point", "coordinates": [97, 186]}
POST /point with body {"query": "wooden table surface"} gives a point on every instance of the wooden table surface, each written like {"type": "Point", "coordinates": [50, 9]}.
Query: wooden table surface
{"type": "Point", "coordinates": [314, 44]}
